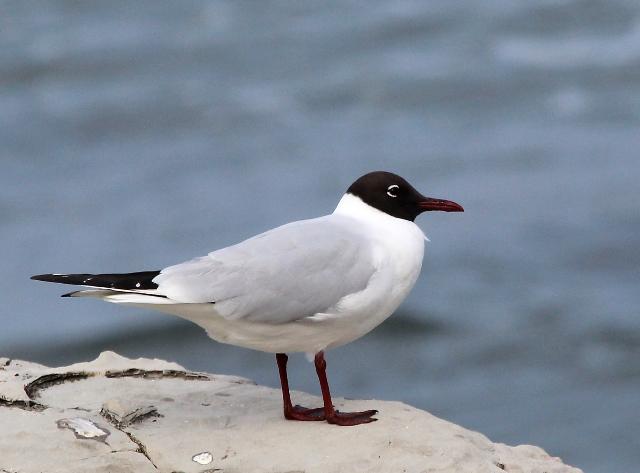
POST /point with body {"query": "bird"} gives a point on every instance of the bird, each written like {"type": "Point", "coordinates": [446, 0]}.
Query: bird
{"type": "Point", "coordinates": [307, 286]}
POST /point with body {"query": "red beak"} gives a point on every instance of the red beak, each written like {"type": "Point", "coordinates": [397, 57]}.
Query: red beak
{"type": "Point", "coordinates": [428, 203]}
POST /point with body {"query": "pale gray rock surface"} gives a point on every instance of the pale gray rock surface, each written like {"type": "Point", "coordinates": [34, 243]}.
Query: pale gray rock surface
{"type": "Point", "coordinates": [120, 415]}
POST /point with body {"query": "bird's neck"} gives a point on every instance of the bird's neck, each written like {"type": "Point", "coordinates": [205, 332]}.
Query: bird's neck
{"type": "Point", "coordinates": [353, 207]}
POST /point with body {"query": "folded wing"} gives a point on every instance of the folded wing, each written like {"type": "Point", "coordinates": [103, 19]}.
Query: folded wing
{"type": "Point", "coordinates": [285, 274]}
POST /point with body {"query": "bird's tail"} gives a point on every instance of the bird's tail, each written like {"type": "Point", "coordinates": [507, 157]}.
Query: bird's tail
{"type": "Point", "coordinates": [127, 288]}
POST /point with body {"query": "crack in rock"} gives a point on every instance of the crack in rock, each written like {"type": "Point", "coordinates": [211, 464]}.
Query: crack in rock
{"type": "Point", "coordinates": [137, 415]}
{"type": "Point", "coordinates": [45, 381]}
{"type": "Point", "coordinates": [141, 447]}
{"type": "Point", "coordinates": [20, 404]}
{"type": "Point", "coordinates": [157, 374]}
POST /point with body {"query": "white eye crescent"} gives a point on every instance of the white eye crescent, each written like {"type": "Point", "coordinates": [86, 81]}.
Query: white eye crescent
{"type": "Point", "coordinates": [392, 191]}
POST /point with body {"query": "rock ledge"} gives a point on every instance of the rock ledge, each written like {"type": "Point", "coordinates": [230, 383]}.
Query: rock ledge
{"type": "Point", "coordinates": [120, 415]}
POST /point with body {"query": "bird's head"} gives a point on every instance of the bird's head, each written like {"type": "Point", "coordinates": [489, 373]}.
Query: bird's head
{"type": "Point", "coordinates": [393, 195]}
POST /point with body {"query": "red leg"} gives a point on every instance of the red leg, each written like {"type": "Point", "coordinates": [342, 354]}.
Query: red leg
{"type": "Point", "coordinates": [332, 416]}
{"type": "Point", "coordinates": [294, 412]}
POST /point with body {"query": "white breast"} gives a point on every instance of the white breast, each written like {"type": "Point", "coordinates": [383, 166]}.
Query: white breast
{"type": "Point", "coordinates": [399, 247]}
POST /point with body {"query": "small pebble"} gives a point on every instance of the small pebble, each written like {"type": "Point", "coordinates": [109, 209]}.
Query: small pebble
{"type": "Point", "coordinates": [203, 458]}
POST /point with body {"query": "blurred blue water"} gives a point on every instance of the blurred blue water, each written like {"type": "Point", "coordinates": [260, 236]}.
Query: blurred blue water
{"type": "Point", "coordinates": [136, 135]}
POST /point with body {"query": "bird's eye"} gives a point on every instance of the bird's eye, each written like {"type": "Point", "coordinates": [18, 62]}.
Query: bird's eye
{"type": "Point", "coordinates": [392, 191]}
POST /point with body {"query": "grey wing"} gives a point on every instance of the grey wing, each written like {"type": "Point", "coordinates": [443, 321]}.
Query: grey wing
{"type": "Point", "coordinates": [285, 274]}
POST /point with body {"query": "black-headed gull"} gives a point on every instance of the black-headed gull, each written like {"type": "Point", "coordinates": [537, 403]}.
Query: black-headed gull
{"type": "Point", "coordinates": [306, 286]}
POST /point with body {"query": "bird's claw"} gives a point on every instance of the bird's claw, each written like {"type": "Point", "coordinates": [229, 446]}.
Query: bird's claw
{"type": "Point", "coordinates": [303, 413]}
{"type": "Point", "coordinates": [352, 418]}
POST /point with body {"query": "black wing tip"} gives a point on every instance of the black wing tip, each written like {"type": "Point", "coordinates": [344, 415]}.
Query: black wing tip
{"type": "Point", "coordinates": [129, 281]}
{"type": "Point", "coordinates": [48, 277]}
